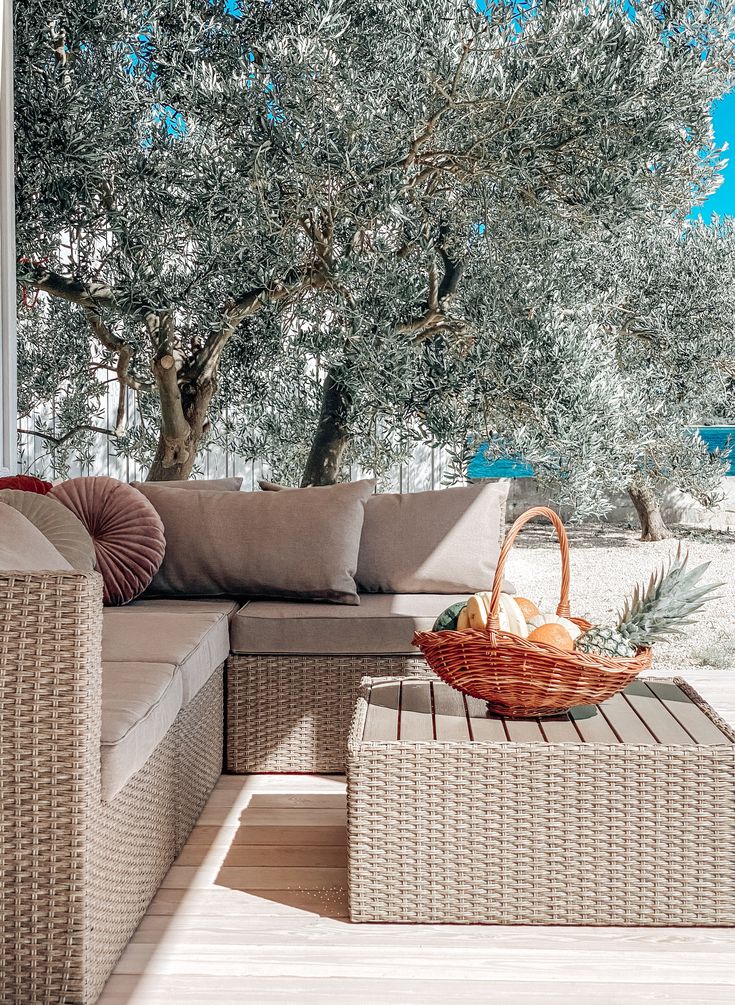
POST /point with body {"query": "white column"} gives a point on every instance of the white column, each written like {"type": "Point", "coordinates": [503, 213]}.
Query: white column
{"type": "Point", "coordinates": [8, 401]}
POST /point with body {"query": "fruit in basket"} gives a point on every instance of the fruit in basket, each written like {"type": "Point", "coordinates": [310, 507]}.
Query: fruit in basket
{"type": "Point", "coordinates": [447, 620]}
{"type": "Point", "coordinates": [528, 608]}
{"type": "Point", "coordinates": [553, 634]}
{"type": "Point", "coordinates": [547, 618]}
{"type": "Point", "coordinates": [512, 615]}
{"type": "Point", "coordinates": [463, 621]}
{"type": "Point", "coordinates": [509, 613]}
{"type": "Point", "coordinates": [662, 608]}
{"type": "Point", "coordinates": [478, 610]}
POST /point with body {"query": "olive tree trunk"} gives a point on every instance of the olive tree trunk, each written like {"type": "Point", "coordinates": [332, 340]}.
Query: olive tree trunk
{"type": "Point", "coordinates": [653, 527]}
{"type": "Point", "coordinates": [184, 424]}
{"type": "Point", "coordinates": [324, 464]}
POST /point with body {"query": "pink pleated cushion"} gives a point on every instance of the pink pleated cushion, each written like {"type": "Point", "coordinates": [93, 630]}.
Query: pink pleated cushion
{"type": "Point", "coordinates": [126, 530]}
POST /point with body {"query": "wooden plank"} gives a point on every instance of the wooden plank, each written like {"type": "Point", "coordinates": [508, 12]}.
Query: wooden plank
{"type": "Point", "coordinates": [252, 879]}
{"type": "Point", "coordinates": [593, 728]}
{"type": "Point", "coordinates": [204, 942]}
{"type": "Point", "coordinates": [633, 969]}
{"type": "Point", "coordinates": [656, 716]}
{"type": "Point", "coordinates": [559, 729]}
{"type": "Point", "coordinates": [416, 721]}
{"type": "Point", "coordinates": [381, 721]}
{"type": "Point", "coordinates": [450, 714]}
{"type": "Point", "coordinates": [699, 725]}
{"type": "Point", "coordinates": [215, 988]}
{"type": "Point", "coordinates": [623, 720]}
{"type": "Point", "coordinates": [524, 731]}
{"type": "Point", "coordinates": [281, 856]}
{"type": "Point", "coordinates": [484, 725]}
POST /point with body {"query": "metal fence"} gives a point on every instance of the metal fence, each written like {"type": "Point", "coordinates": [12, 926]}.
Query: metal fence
{"type": "Point", "coordinates": [424, 471]}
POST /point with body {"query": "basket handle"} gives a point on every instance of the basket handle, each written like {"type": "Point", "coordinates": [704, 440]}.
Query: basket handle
{"type": "Point", "coordinates": [562, 609]}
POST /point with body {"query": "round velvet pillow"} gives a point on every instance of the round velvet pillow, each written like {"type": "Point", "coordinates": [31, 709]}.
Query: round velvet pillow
{"type": "Point", "coordinates": [126, 530]}
{"type": "Point", "coordinates": [26, 483]}
{"type": "Point", "coordinates": [57, 524]}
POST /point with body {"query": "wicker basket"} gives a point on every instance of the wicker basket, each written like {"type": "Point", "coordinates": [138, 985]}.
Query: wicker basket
{"type": "Point", "coordinates": [519, 678]}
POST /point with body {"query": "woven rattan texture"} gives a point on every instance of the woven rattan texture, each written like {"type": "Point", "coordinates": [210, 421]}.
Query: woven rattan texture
{"type": "Point", "coordinates": [200, 753]}
{"type": "Point", "coordinates": [142, 830]}
{"type": "Point", "coordinates": [518, 678]}
{"type": "Point", "coordinates": [514, 833]}
{"type": "Point", "coordinates": [292, 714]}
{"type": "Point", "coordinates": [77, 874]}
{"type": "Point", "coordinates": [50, 681]}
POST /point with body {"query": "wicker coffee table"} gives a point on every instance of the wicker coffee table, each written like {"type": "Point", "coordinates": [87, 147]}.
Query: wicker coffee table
{"type": "Point", "coordinates": [622, 814]}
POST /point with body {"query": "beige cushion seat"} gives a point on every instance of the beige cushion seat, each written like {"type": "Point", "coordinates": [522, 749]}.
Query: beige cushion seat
{"type": "Point", "coordinates": [170, 605]}
{"type": "Point", "coordinates": [194, 640]}
{"type": "Point", "coordinates": [140, 702]}
{"type": "Point", "coordinates": [383, 624]}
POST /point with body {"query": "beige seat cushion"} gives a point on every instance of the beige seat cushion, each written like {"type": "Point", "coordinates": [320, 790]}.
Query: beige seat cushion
{"type": "Point", "coordinates": [383, 624]}
{"type": "Point", "coordinates": [139, 704]}
{"type": "Point", "coordinates": [169, 605]}
{"type": "Point", "coordinates": [23, 547]}
{"type": "Point", "coordinates": [195, 642]}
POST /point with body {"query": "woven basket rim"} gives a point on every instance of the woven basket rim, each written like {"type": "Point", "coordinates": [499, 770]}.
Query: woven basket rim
{"type": "Point", "coordinates": [480, 637]}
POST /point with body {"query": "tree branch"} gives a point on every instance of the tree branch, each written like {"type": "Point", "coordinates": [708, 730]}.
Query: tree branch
{"type": "Point", "coordinates": [57, 441]}
{"type": "Point", "coordinates": [237, 309]}
{"type": "Point", "coordinates": [93, 296]}
{"type": "Point", "coordinates": [121, 349]}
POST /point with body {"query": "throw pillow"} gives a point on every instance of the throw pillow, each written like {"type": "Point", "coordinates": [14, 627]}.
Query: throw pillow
{"type": "Point", "coordinates": [26, 483]}
{"type": "Point", "coordinates": [282, 544]}
{"type": "Point", "coordinates": [126, 531]}
{"type": "Point", "coordinates": [220, 484]}
{"type": "Point", "coordinates": [23, 548]}
{"type": "Point", "coordinates": [443, 541]}
{"type": "Point", "coordinates": [57, 524]}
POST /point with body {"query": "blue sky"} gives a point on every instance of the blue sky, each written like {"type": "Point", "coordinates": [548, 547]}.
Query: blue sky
{"type": "Point", "coordinates": [723, 201]}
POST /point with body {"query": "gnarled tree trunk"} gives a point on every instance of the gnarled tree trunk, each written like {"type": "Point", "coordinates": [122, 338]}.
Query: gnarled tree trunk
{"type": "Point", "coordinates": [332, 435]}
{"type": "Point", "coordinates": [184, 407]}
{"type": "Point", "coordinates": [646, 505]}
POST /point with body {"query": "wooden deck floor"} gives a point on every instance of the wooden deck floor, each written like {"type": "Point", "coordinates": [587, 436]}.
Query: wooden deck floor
{"type": "Point", "coordinates": [254, 911]}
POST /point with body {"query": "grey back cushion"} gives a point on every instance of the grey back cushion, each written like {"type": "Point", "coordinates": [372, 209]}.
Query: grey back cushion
{"type": "Point", "coordinates": [59, 525]}
{"type": "Point", "coordinates": [280, 544]}
{"type": "Point", "coordinates": [443, 541]}
{"type": "Point", "coordinates": [220, 484]}
{"type": "Point", "coordinates": [23, 547]}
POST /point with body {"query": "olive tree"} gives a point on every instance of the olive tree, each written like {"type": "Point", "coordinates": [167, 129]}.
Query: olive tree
{"type": "Point", "coordinates": [674, 330]}
{"type": "Point", "coordinates": [304, 204]}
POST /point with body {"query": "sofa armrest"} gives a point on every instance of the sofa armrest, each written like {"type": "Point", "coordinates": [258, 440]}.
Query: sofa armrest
{"type": "Point", "coordinates": [50, 715]}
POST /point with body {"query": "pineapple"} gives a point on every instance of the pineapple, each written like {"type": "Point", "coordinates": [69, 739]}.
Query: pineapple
{"type": "Point", "coordinates": [663, 608]}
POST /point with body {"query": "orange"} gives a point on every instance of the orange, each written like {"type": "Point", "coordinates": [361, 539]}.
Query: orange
{"type": "Point", "coordinates": [553, 635]}
{"type": "Point", "coordinates": [528, 608]}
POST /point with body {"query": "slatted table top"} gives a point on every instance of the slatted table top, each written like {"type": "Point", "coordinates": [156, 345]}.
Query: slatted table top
{"type": "Point", "coordinates": [648, 711]}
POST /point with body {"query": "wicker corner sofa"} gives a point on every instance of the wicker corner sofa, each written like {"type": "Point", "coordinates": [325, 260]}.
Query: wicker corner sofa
{"type": "Point", "coordinates": [83, 849]}
{"type": "Point", "coordinates": [111, 739]}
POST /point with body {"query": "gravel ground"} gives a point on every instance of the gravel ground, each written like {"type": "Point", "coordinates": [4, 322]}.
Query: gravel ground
{"type": "Point", "coordinates": [606, 562]}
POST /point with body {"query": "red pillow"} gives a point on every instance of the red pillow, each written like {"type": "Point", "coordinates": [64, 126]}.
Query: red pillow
{"type": "Point", "coordinates": [126, 531]}
{"type": "Point", "coordinates": [26, 483]}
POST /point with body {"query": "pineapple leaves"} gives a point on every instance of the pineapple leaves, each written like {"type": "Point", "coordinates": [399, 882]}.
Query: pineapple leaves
{"type": "Point", "coordinates": [666, 605]}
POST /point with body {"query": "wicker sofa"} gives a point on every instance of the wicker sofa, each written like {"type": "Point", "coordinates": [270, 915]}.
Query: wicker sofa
{"type": "Point", "coordinates": [110, 743]}
{"type": "Point", "coordinates": [111, 739]}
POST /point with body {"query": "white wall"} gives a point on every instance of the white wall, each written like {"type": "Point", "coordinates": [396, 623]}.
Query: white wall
{"type": "Point", "coordinates": [7, 244]}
